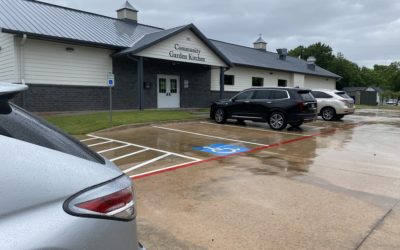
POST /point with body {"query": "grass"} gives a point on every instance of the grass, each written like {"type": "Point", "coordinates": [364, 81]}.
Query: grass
{"type": "Point", "coordinates": [79, 124]}
{"type": "Point", "coordinates": [382, 107]}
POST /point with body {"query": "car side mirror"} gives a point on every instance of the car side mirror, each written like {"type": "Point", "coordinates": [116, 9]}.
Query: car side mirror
{"type": "Point", "coordinates": [233, 99]}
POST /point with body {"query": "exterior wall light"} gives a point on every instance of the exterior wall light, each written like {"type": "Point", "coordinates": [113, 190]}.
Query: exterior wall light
{"type": "Point", "coordinates": [69, 49]}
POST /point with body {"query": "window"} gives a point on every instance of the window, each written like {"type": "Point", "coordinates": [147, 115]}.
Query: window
{"type": "Point", "coordinates": [174, 86]}
{"type": "Point", "coordinates": [322, 95]}
{"type": "Point", "coordinates": [16, 123]}
{"type": "Point", "coordinates": [244, 96]}
{"type": "Point", "coordinates": [162, 85]}
{"type": "Point", "coordinates": [282, 83]}
{"type": "Point", "coordinates": [307, 96]}
{"type": "Point", "coordinates": [229, 80]}
{"type": "Point", "coordinates": [261, 94]}
{"type": "Point", "coordinates": [278, 94]}
{"type": "Point", "coordinates": [258, 82]}
{"type": "Point", "coordinates": [343, 95]}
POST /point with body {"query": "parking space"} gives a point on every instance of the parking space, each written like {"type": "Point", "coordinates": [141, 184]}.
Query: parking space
{"type": "Point", "coordinates": [203, 185]}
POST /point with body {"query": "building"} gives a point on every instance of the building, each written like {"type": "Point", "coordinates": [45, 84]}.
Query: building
{"type": "Point", "coordinates": [67, 55]}
{"type": "Point", "coordinates": [364, 95]}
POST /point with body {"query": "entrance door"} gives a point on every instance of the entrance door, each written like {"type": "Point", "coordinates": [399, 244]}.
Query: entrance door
{"type": "Point", "coordinates": [168, 89]}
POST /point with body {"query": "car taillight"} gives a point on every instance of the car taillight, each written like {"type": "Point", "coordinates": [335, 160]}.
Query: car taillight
{"type": "Point", "coordinates": [111, 200]}
{"type": "Point", "coordinates": [301, 106]}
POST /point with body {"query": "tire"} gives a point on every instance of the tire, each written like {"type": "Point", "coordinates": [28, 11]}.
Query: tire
{"type": "Point", "coordinates": [339, 117]}
{"type": "Point", "coordinates": [328, 114]}
{"type": "Point", "coordinates": [220, 116]}
{"type": "Point", "coordinates": [296, 124]}
{"type": "Point", "coordinates": [277, 121]}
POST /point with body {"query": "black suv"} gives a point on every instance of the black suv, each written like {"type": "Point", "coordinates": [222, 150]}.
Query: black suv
{"type": "Point", "coordinates": [277, 106]}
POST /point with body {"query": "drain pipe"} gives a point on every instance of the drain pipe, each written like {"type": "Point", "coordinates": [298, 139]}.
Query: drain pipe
{"type": "Point", "coordinates": [139, 62]}
{"type": "Point", "coordinates": [22, 67]}
{"type": "Point", "coordinates": [22, 59]}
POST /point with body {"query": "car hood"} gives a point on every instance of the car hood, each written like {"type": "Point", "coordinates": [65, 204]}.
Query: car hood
{"type": "Point", "coordinates": [32, 175]}
{"type": "Point", "coordinates": [222, 101]}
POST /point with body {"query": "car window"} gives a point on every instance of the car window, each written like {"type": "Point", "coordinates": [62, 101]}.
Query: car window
{"type": "Point", "coordinates": [244, 96]}
{"type": "Point", "coordinates": [319, 94]}
{"type": "Point", "coordinates": [261, 94]}
{"type": "Point", "coordinates": [307, 96]}
{"type": "Point", "coordinates": [343, 95]}
{"type": "Point", "coordinates": [18, 124]}
{"type": "Point", "coordinates": [278, 94]}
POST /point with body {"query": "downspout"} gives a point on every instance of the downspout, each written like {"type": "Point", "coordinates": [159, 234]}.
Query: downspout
{"type": "Point", "coordinates": [22, 59]}
{"type": "Point", "coordinates": [139, 62]}
{"type": "Point", "coordinates": [222, 82]}
{"type": "Point", "coordinates": [22, 67]}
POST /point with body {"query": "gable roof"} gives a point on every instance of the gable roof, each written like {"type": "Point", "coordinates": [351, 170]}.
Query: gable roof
{"type": "Point", "coordinates": [354, 89]}
{"type": "Point", "coordinates": [55, 22]}
{"type": "Point", "coordinates": [153, 38]}
{"type": "Point", "coordinates": [246, 56]}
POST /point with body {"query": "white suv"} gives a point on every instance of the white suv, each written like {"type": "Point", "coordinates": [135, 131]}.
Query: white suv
{"type": "Point", "coordinates": [333, 104]}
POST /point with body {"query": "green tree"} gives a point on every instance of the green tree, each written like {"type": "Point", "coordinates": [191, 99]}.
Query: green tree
{"type": "Point", "coordinates": [322, 52]}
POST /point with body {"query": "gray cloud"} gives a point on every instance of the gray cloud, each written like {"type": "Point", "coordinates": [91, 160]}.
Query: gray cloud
{"type": "Point", "coordinates": [366, 31]}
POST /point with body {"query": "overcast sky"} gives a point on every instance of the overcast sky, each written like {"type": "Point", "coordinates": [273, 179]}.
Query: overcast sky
{"type": "Point", "coordinates": [365, 31]}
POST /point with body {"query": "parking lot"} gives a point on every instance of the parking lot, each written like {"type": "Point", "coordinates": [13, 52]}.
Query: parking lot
{"type": "Point", "coordinates": [200, 185]}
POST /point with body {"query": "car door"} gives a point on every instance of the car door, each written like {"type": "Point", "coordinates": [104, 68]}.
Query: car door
{"type": "Point", "coordinates": [239, 106]}
{"type": "Point", "coordinates": [260, 103]}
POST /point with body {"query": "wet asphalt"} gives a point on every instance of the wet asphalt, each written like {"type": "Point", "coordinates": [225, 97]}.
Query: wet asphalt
{"type": "Point", "coordinates": [331, 185]}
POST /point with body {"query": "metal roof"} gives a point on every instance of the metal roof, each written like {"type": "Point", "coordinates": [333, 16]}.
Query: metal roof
{"type": "Point", "coordinates": [246, 56]}
{"type": "Point", "coordinates": [127, 5]}
{"type": "Point", "coordinates": [38, 19]}
{"type": "Point", "coordinates": [51, 21]}
{"type": "Point", "coordinates": [260, 40]}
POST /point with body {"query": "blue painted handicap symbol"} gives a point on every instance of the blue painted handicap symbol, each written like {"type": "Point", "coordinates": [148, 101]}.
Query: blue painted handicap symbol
{"type": "Point", "coordinates": [221, 149]}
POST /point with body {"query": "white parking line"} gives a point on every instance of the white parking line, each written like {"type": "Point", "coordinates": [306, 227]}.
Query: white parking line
{"type": "Point", "coordinates": [210, 136]}
{"type": "Point", "coordinates": [256, 129]}
{"type": "Point", "coordinates": [144, 147]}
{"type": "Point", "coordinates": [127, 155]}
{"type": "Point", "coordinates": [161, 169]}
{"type": "Point", "coordinates": [100, 143]}
{"type": "Point", "coordinates": [90, 139]}
{"type": "Point", "coordinates": [112, 149]}
{"type": "Point", "coordinates": [146, 163]}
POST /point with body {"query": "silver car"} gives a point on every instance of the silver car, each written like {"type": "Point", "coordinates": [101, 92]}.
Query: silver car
{"type": "Point", "coordinates": [333, 104]}
{"type": "Point", "coordinates": [55, 193]}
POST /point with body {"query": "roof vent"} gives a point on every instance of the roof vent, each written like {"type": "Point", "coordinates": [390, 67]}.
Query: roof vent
{"type": "Point", "coordinates": [260, 44]}
{"type": "Point", "coordinates": [282, 53]}
{"type": "Point", "coordinates": [128, 13]}
{"type": "Point", "coordinates": [311, 63]}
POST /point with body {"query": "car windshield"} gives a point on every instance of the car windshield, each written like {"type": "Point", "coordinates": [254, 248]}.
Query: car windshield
{"type": "Point", "coordinates": [343, 95]}
{"type": "Point", "coordinates": [18, 124]}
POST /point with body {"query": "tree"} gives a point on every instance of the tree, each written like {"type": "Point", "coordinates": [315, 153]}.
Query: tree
{"type": "Point", "coordinates": [322, 52]}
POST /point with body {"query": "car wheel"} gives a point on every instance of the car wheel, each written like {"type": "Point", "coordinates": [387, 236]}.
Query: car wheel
{"type": "Point", "coordinates": [220, 116]}
{"type": "Point", "coordinates": [296, 124]}
{"type": "Point", "coordinates": [339, 117]}
{"type": "Point", "coordinates": [328, 114]}
{"type": "Point", "coordinates": [277, 121]}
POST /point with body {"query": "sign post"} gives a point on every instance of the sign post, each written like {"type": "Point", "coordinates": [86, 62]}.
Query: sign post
{"type": "Point", "coordinates": [110, 83]}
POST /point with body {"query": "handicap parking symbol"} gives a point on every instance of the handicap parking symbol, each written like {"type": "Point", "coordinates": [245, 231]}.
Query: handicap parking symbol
{"type": "Point", "coordinates": [221, 149]}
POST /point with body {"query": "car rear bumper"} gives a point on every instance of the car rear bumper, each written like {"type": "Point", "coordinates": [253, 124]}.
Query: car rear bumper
{"type": "Point", "coordinates": [346, 111]}
{"type": "Point", "coordinates": [303, 117]}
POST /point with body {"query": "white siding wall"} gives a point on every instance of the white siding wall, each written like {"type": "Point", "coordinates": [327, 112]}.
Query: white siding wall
{"type": "Point", "coordinates": [8, 63]}
{"type": "Point", "coordinates": [186, 39]}
{"type": "Point", "coordinates": [315, 82]}
{"type": "Point", "coordinates": [243, 78]}
{"type": "Point", "coordinates": [50, 63]}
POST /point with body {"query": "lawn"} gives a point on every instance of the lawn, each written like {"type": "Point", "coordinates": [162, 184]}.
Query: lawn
{"type": "Point", "coordinates": [79, 124]}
